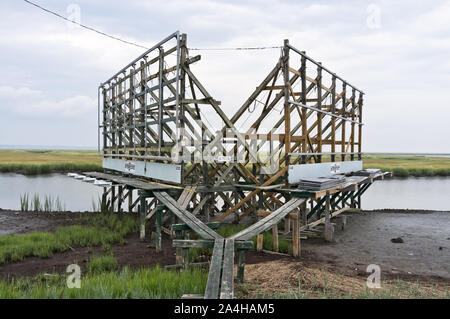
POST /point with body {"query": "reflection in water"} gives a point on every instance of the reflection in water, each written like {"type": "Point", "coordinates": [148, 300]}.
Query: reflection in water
{"type": "Point", "coordinates": [412, 193]}
{"type": "Point", "coordinates": [76, 195]}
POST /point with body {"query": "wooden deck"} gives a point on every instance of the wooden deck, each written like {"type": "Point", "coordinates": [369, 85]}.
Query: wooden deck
{"type": "Point", "coordinates": [129, 181]}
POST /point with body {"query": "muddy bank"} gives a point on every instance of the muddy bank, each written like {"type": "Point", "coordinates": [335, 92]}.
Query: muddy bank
{"type": "Point", "coordinates": [424, 254]}
{"type": "Point", "coordinates": [15, 222]}
{"type": "Point", "coordinates": [368, 239]}
{"type": "Point", "coordinates": [134, 254]}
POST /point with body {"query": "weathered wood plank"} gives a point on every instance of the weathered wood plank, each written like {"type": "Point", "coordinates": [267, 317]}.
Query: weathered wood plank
{"type": "Point", "coordinates": [213, 284]}
{"type": "Point", "coordinates": [212, 225]}
{"type": "Point", "coordinates": [194, 223]}
{"type": "Point", "coordinates": [227, 285]}
{"type": "Point", "coordinates": [269, 221]}
{"type": "Point", "coordinates": [205, 243]}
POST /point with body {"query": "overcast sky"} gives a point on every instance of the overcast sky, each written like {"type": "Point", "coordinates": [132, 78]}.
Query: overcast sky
{"type": "Point", "coordinates": [398, 52]}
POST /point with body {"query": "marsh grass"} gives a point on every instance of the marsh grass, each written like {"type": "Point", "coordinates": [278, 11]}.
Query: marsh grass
{"type": "Point", "coordinates": [405, 166]}
{"type": "Point", "coordinates": [155, 283]}
{"type": "Point", "coordinates": [100, 229]}
{"type": "Point", "coordinates": [24, 203]}
{"type": "Point", "coordinates": [33, 162]}
{"type": "Point", "coordinates": [101, 264]}
{"type": "Point", "coordinates": [226, 230]}
{"type": "Point", "coordinates": [36, 204]}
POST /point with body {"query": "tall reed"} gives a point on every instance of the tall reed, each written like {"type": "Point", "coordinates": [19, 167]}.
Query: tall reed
{"type": "Point", "coordinates": [36, 204]}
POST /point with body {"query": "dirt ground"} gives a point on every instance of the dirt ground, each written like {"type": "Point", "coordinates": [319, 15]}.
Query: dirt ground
{"type": "Point", "coordinates": [423, 256]}
{"type": "Point", "coordinates": [14, 222]}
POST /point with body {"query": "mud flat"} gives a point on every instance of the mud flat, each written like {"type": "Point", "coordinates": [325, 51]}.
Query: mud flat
{"type": "Point", "coordinates": [423, 256]}
{"type": "Point", "coordinates": [424, 248]}
{"type": "Point", "coordinates": [15, 222]}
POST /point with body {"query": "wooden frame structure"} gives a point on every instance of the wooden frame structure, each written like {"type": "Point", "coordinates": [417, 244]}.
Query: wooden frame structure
{"type": "Point", "coordinates": [153, 131]}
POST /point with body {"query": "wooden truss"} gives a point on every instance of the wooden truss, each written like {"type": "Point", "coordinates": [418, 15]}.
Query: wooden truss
{"type": "Point", "coordinates": [300, 113]}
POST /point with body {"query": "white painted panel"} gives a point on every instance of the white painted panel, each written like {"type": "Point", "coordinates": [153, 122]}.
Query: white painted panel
{"type": "Point", "coordinates": [160, 171]}
{"type": "Point", "coordinates": [300, 171]}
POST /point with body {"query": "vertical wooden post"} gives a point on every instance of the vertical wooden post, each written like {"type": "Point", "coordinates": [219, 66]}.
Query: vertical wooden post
{"type": "Point", "coordinates": [360, 126]}
{"type": "Point", "coordinates": [120, 199]}
{"type": "Point", "coordinates": [344, 103]}
{"type": "Point", "coordinates": [329, 229]}
{"type": "Point", "coordinates": [113, 197]}
{"type": "Point", "coordinates": [295, 237]}
{"type": "Point", "coordinates": [319, 115]}
{"type": "Point", "coordinates": [104, 208]}
{"type": "Point", "coordinates": [304, 113]}
{"type": "Point", "coordinates": [143, 210]}
{"type": "Point", "coordinates": [172, 221]}
{"type": "Point", "coordinates": [287, 107]}
{"type": "Point", "coordinates": [185, 251]}
{"type": "Point", "coordinates": [259, 242]}
{"type": "Point", "coordinates": [275, 238]}
{"type": "Point", "coordinates": [333, 119]}
{"type": "Point", "coordinates": [259, 238]}
{"type": "Point", "coordinates": [287, 225]}
{"type": "Point", "coordinates": [352, 142]}
{"type": "Point", "coordinates": [158, 237]}
{"type": "Point", "coordinates": [130, 200]}
{"type": "Point", "coordinates": [161, 99]}
{"type": "Point", "coordinates": [241, 265]}
{"type": "Point", "coordinates": [178, 251]}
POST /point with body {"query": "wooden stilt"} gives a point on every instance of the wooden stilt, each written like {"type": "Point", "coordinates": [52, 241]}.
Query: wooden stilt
{"type": "Point", "coordinates": [259, 242]}
{"type": "Point", "coordinates": [119, 199]}
{"type": "Point", "coordinates": [329, 228]}
{"type": "Point", "coordinates": [130, 200]}
{"type": "Point", "coordinates": [158, 237]}
{"type": "Point", "coordinates": [287, 225]}
{"type": "Point", "coordinates": [241, 265]}
{"type": "Point", "coordinates": [275, 238]}
{"type": "Point", "coordinates": [143, 210]}
{"type": "Point", "coordinates": [295, 237]}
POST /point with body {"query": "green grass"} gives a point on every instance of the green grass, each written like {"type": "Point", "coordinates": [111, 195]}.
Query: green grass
{"type": "Point", "coordinates": [34, 162]}
{"type": "Point", "coordinates": [36, 204]}
{"type": "Point", "coordinates": [226, 230]}
{"type": "Point", "coordinates": [405, 166]}
{"type": "Point", "coordinates": [101, 264]}
{"type": "Point", "coordinates": [152, 283]}
{"type": "Point", "coordinates": [94, 230]}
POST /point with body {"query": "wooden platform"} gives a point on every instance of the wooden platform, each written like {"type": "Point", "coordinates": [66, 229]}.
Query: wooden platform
{"type": "Point", "coordinates": [129, 181]}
